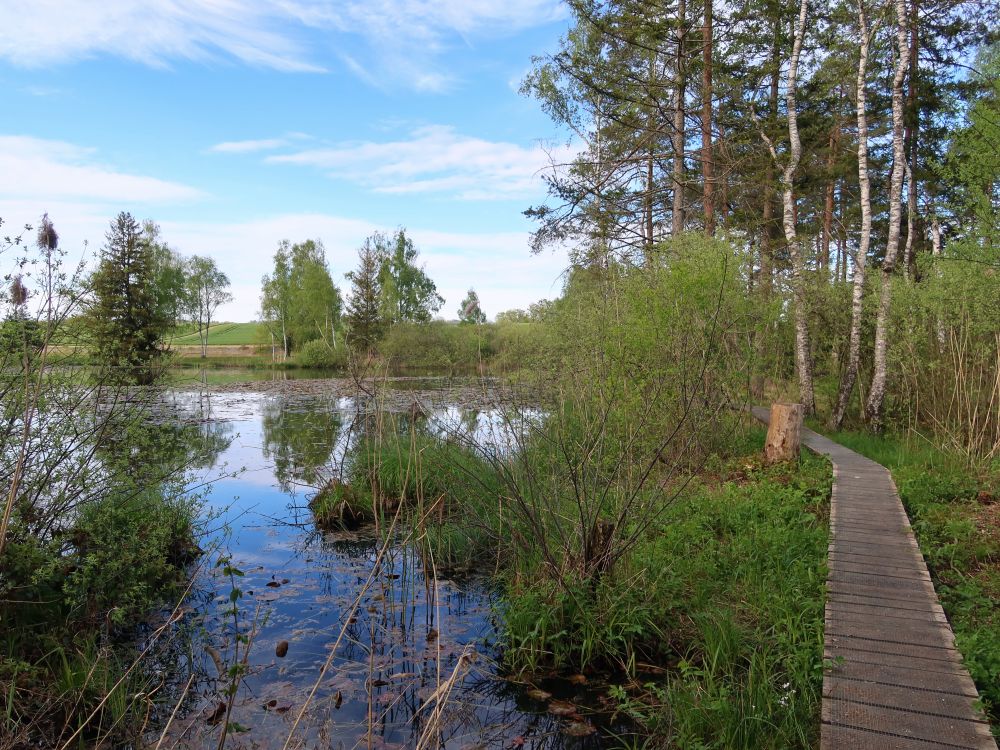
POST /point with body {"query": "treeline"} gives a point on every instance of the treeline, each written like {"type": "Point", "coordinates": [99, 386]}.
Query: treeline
{"type": "Point", "coordinates": [139, 291]}
{"type": "Point", "coordinates": [390, 307]}
{"type": "Point", "coordinates": [847, 150]}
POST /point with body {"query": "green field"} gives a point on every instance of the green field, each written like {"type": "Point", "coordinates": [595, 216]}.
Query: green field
{"type": "Point", "coordinates": [225, 334]}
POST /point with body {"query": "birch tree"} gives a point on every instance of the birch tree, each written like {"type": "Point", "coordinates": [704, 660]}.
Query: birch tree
{"type": "Point", "coordinates": [850, 375]}
{"type": "Point", "coordinates": [876, 395]}
{"type": "Point", "coordinates": [803, 355]}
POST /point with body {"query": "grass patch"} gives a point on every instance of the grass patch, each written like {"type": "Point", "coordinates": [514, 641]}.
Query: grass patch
{"type": "Point", "coordinates": [726, 593]}
{"type": "Point", "coordinates": [225, 334]}
{"type": "Point", "coordinates": [955, 513]}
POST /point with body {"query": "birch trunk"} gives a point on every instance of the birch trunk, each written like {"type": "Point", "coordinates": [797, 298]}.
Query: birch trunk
{"type": "Point", "coordinates": [677, 212]}
{"type": "Point", "coordinates": [876, 395]}
{"type": "Point", "coordinates": [850, 375]}
{"type": "Point", "coordinates": [912, 133]}
{"type": "Point", "coordinates": [803, 358]}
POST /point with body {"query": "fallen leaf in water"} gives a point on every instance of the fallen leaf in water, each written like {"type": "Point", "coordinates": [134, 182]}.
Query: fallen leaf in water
{"type": "Point", "coordinates": [282, 709]}
{"type": "Point", "coordinates": [216, 716]}
{"type": "Point", "coordinates": [579, 729]}
{"type": "Point", "coordinates": [561, 708]}
{"type": "Point", "coordinates": [577, 679]}
{"type": "Point", "coordinates": [284, 580]}
{"type": "Point", "coordinates": [271, 703]}
{"type": "Point", "coordinates": [273, 584]}
{"type": "Point", "coordinates": [338, 699]}
{"type": "Point", "coordinates": [281, 649]}
{"type": "Point", "coordinates": [379, 683]}
{"type": "Point", "coordinates": [432, 635]}
{"type": "Point", "coordinates": [517, 741]}
{"type": "Point", "coordinates": [539, 694]}
{"type": "Point", "coordinates": [217, 658]}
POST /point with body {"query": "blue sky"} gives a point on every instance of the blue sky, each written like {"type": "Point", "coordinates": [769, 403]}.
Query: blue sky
{"type": "Point", "coordinates": [238, 123]}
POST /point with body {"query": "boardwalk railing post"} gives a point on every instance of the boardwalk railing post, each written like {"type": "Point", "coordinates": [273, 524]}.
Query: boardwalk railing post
{"type": "Point", "coordinates": [784, 433]}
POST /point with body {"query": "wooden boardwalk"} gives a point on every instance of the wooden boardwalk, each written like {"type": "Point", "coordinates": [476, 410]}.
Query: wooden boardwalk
{"type": "Point", "coordinates": [897, 682]}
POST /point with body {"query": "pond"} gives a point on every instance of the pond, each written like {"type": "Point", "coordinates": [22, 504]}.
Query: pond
{"type": "Point", "coordinates": [353, 641]}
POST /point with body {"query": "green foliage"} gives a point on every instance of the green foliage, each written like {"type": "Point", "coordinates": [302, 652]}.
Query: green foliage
{"type": "Point", "coordinates": [437, 344]}
{"type": "Point", "coordinates": [470, 311]}
{"type": "Point", "coordinates": [365, 319]}
{"type": "Point", "coordinates": [729, 583]}
{"type": "Point", "coordinates": [169, 276]}
{"type": "Point", "coordinates": [299, 301]}
{"type": "Point", "coordinates": [126, 321]}
{"type": "Point", "coordinates": [206, 288]}
{"type": "Point", "coordinates": [408, 293]}
{"type": "Point", "coordinates": [318, 354]}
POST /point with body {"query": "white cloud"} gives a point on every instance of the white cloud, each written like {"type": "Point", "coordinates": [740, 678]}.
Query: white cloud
{"type": "Point", "coordinates": [436, 159]}
{"type": "Point", "coordinates": [153, 32]}
{"type": "Point", "coordinates": [46, 170]}
{"type": "Point", "coordinates": [499, 264]}
{"type": "Point", "coordinates": [404, 36]}
{"type": "Point", "coordinates": [246, 147]}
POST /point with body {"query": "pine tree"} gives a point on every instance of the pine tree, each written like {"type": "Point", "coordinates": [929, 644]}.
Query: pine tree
{"type": "Point", "coordinates": [366, 324]}
{"type": "Point", "coordinates": [125, 319]}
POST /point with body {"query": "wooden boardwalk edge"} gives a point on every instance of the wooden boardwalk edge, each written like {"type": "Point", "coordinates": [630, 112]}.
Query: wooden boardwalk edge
{"type": "Point", "coordinates": [897, 681]}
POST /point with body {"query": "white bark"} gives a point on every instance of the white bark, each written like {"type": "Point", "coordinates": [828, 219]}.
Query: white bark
{"type": "Point", "coordinates": [861, 259]}
{"type": "Point", "coordinates": [803, 358]}
{"type": "Point", "coordinates": [876, 395]}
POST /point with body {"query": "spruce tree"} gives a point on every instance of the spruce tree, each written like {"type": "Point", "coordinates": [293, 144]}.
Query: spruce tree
{"type": "Point", "coordinates": [126, 321]}
{"type": "Point", "coordinates": [365, 321]}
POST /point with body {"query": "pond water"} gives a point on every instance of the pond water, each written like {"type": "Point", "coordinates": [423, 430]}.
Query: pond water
{"type": "Point", "coordinates": [354, 642]}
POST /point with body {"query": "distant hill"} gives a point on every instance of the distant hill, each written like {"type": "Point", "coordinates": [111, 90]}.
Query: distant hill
{"type": "Point", "coordinates": [226, 334]}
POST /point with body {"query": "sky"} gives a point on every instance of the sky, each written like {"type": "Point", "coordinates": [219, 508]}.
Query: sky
{"type": "Point", "coordinates": [235, 124]}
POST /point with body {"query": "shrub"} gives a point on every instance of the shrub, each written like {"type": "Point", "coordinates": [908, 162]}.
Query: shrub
{"type": "Point", "coordinates": [318, 354]}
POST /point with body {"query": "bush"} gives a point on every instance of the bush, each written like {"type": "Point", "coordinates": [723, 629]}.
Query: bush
{"type": "Point", "coordinates": [438, 345]}
{"type": "Point", "coordinates": [318, 354]}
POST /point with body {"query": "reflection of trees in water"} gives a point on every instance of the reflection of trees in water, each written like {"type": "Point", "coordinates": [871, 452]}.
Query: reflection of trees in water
{"type": "Point", "coordinates": [299, 438]}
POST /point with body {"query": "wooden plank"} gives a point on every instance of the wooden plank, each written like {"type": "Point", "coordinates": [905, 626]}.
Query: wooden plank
{"type": "Point", "coordinates": [845, 738]}
{"type": "Point", "coordinates": [948, 731]}
{"type": "Point", "coordinates": [907, 677]}
{"type": "Point", "coordinates": [891, 696]}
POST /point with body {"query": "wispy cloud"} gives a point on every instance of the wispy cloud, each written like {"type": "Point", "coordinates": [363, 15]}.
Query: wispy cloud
{"type": "Point", "coordinates": [404, 37]}
{"type": "Point", "coordinates": [435, 159]}
{"type": "Point", "coordinates": [498, 264]}
{"type": "Point", "coordinates": [248, 147]}
{"type": "Point", "coordinates": [40, 169]}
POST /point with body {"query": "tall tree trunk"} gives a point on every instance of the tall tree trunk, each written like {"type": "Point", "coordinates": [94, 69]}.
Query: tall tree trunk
{"type": "Point", "coordinates": [912, 132]}
{"type": "Point", "coordinates": [876, 395]}
{"type": "Point", "coordinates": [768, 239]}
{"type": "Point", "coordinates": [707, 158]}
{"type": "Point", "coordinates": [850, 375]}
{"type": "Point", "coordinates": [677, 212]}
{"type": "Point", "coordinates": [824, 250]}
{"type": "Point", "coordinates": [803, 355]}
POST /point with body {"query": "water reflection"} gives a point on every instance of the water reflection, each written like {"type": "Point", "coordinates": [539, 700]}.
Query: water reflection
{"type": "Point", "coordinates": [299, 439]}
{"type": "Point", "coordinates": [415, 656]}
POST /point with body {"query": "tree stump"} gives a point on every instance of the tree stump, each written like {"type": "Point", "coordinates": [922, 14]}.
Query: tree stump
{"type": "Point", "coordinates": [784, 433]}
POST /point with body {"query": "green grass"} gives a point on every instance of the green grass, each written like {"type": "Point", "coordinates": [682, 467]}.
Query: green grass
{"type": "Point", "coordinates": [225, 334]}
{"type": "Point", "coordinates": [955, 513]}
{"type": "Point", "coordinates": [726, 593]}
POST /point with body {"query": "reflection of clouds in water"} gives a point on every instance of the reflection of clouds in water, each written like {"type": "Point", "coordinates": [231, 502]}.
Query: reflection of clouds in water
{"type": "Point", "coordinates": [410, 631]}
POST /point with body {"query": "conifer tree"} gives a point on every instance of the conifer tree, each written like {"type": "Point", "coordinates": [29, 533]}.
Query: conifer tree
{"type": "Point", "coordinates": [125, 319]}
{"type": "Point", "coordinates": [366, 324]}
